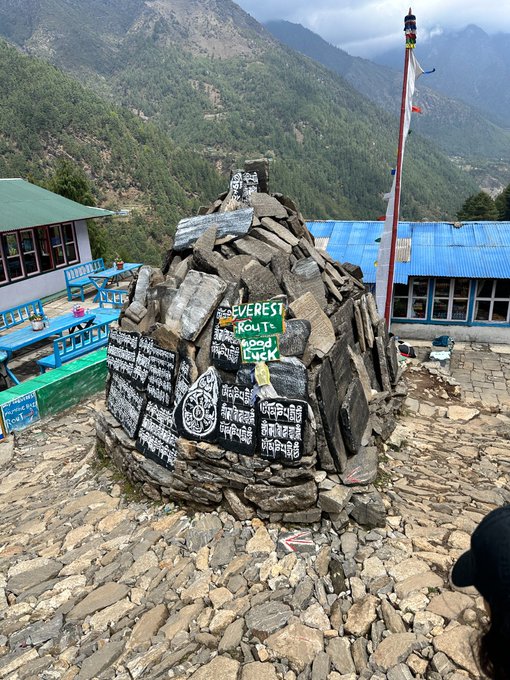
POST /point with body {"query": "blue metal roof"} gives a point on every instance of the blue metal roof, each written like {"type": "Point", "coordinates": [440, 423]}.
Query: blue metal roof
{"type": "Point", "coordinates": [471, 249]}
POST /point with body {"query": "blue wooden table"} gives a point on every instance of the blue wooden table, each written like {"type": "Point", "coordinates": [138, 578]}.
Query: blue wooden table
{"type": "Point", "coordinates": [102, 279]}
{"type": "Point", "coordinates": [13, 342]}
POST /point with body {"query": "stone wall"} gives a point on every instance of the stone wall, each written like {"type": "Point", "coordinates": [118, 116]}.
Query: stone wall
{"type": "Point", "coordinates": [337, 364]}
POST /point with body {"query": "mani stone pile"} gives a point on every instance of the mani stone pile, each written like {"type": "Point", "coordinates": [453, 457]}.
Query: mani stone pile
{"type": "Point", "coordinates": [182, 419]}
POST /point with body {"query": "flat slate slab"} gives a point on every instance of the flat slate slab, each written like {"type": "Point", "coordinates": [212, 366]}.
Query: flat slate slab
{"type": "Point", "coordinates": [195, 301]}
{"type": "Point", "coordinates": [354, 415]}
{"type": "Point", "coordinates": [235, 223]}
{"type": "Point", "coordinates": [329, 406]}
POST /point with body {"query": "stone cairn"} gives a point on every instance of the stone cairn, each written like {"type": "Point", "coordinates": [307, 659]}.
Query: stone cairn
{"type": "Point", "coordinates": [192, 413]}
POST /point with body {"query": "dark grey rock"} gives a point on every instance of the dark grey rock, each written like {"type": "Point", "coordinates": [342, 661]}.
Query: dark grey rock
{"type": "Point", "coordinates": [329, 407]}
{"type": "Point", "coordinates": [354, 415]}
{"type": "Point", "coordinates": [341, 366]}
{"type": "Point", "coordinates": [284, 499]}
{"type": "Point", "coordinates": [321, 666]}
{"type": "Point", "coordinates": [303, 517]}
{"type": "Point", "coordinates": [368, 509]}
{"type": "Point", "coordinates": [368, 361]}
{"type": "Point", "coordinates": [362, 468]}
{"type": "Point", "coordinates": [293, 341]}
{"type": "Point", "coordinates": [303, 594]}
{"type": "Point", "coordinates": [260, 281]}
{"type": "Point", "coordinates": [95, 664]}
{"type": "Point", "coordinates": [400, 672]}
{"type": "Point", "coordinates": [28, 579]}
{"type": "Point", "coordinates": [267, 206]}
{"type": "Point", "coordinates": [235, 223]}
{"type": "Point", "coordinates": [337, 575]}
{"type": "Point", "coordinates": [265, 619]}
{"type": "Point", "coordinates": [382, 364]}
{"type": "Point", "coordinates": [256, 249]}
{"type": "Point", "coordinates": [223, 552]}
{"type": "Point", "coordinates": [359, 654]}
{"type": "Point", "coordinates": [203, 531]}
{"type": "Point", "coordinates": [289, 377]}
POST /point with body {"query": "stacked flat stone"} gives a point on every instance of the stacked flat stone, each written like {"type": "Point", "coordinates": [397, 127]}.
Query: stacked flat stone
{"type": "Point", "coordinates": [336, 355]}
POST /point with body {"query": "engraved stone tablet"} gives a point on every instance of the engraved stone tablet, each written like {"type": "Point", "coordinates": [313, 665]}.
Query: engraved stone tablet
{"type": "Point", "coordinates": [122, 351]}
{"type": "Point", "coordinates": [225, 348]}
{"type": "Point", "coordinates": [281, 428]}
{"type": "Point", "coordinates": [126, 404]}
{"type": "Point", "coordinates": [196, 416]}
{"type": "Point", "coordinates": [157, 435]}
{"type": "Point", "coordinates": [161, 376]}
{"type": "Point", "coordinates": [237, 429]}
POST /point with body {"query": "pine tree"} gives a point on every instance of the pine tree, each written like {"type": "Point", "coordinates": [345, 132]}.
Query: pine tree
{"type": "Point", "coordinates": [503, 204]}
{"type": "Point", "coordinates": [478, 208]}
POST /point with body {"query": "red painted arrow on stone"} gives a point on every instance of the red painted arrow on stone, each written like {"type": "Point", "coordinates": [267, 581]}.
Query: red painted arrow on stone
{"type": "Point", "coordinates": [298, 541]}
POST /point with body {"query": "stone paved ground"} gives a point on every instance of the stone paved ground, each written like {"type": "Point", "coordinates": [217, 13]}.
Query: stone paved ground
{"type": "Point", "coordinates": [97, 583]}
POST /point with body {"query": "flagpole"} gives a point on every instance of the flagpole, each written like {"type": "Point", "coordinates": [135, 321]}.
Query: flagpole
{"type": "Point", "coordinates": [410, 30]}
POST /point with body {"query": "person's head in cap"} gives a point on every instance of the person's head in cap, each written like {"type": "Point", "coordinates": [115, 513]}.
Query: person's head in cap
{"type": "Point", "coordinates": [486, 566]}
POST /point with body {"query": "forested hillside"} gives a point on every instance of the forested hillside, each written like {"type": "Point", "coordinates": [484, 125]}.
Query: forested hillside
{"type": "Point", "coordinates": [45, 114]}
{"type": "Point", "coordinates": [213, 79]}
{"type": "Point", "coordinates": [456, 127]}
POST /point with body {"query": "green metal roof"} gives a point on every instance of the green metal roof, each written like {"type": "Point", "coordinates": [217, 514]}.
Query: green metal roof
{"type": "Point", "coordinates": [24, 205]}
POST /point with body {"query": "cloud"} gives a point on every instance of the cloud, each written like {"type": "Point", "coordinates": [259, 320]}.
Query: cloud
{"type": "Point", "coordinates": [367, 27]}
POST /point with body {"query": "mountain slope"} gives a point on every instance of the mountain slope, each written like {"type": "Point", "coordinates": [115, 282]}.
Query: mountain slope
{"type": "Point", "coordinates": [46, 114]}
{"type": "Point", "coordinates": [454, 126]}
{"type": "Point", "coordinates": [471, 66]}
{"type": "Point", "coordinates": [333, 150]}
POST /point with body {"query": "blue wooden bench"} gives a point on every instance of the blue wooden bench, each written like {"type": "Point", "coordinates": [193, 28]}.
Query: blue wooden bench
{"type": "Point", "coordinates": [18, 315]}
{"type": "Point", "coordinates": [78, 276]}
{"type": "Point", "coordinates": [115, 298]}
{"type": "Point", "coordinates": [76, 345]}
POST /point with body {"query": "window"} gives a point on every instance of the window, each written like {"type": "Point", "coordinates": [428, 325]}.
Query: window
{"type": "Point", "coordinates": [30, 259]}
{"type": "Point", "coordinates": [57, 246]}
{"type": "Point", "coordinates": [400, 300]}
{"type": "Point", "coordinates": [35, 251]}
{"type": "Point", "coordinates": [12, 253]}
{"type": "Point", "coordinates": [410, 300]}
{"type": "Point", "coordinates": [451, 297]}
{"type": "Point", "coordinates": [492, 300]}
{"type": "Point", "coordinates": [69, 243]}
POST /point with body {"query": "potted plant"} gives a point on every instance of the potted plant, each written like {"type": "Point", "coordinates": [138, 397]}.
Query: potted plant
{"type": "Point", "coordinates": [37, 321]}
{"type": "Point", "coordinates": [118, 262]}
{"type": "Point", "coordinates": [78, 310]}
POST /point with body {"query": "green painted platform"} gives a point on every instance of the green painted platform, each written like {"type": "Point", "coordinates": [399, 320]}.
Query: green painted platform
{"type": "Point", "coordinates": [63, 387]}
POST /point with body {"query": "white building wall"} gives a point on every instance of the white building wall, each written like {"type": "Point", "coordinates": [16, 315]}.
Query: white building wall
{"type": "Point", "coordinates": [45, 284]}
{"type": "Point", "coordinates": [493, 334]}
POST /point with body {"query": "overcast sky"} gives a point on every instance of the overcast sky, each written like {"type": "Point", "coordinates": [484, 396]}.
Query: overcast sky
{"type": "Point", "coordinates": [367, 27]}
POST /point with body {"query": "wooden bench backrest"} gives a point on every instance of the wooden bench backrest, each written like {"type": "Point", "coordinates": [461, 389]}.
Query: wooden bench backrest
{"type": "Point", "coordinates": [115, 298]}
{"type": "Point", "coordinates": [17, 315]}
{"type": "Point", "coordinates": [89, 337]}
{"type": "Point", "coordinates": [84, 269]}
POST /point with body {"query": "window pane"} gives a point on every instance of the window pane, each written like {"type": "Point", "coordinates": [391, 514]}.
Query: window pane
{"type": "Point", "coordinates": [55, 238]}
{"type": "Point", "coordinates": [58, 255]}
{"type": "Point", "coordinates": [2, 271]}
{"type": "Point", "coordinates": [459, 310]}
{"type": "Point", "coordinates": [485, 288]}
{"type": "Point", "coordinates": [27, 242]}
{"type": "Point", "coordinates": [461, 288]}
{"type": "Point", "coordinates": [400, 289]}
{"type": "Point", "coordinates": [68, 232]}
{"type": "Point", "coordinates": [400, 308]}
{"type": "Point", "coordinates": [11, 245]}
{"type": "Point", "coordinates": [440, 309]}
{"type": "Point", "coordinates": [420, 287]}
{"type": "Point", "coordinates": [482, 310]}
{"type": "Point", "coordinates": [419, 309]}
{"type": "Point", "coordinates": [14, 267]}
{"type": "Point", "coordinates": [71, 252]}
{"type": "Point", "coordinates": [31, 266]}
{"type": "Point", "coordinates": [500, 311]}
{"type": "Point", "coordinates": [442, 288]}
{"type": "Point", "coordinates": [43, 246]}
{"type": "Point", "coordinates": [503, 289]}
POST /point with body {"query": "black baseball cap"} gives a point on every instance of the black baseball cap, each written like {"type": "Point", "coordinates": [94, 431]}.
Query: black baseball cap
{"type": "Point", "coordinates": [487, 564]}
